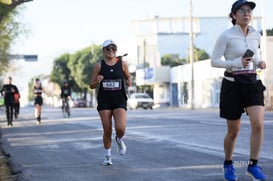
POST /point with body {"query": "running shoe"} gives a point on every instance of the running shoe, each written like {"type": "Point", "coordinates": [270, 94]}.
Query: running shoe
{"type": "Point", "coordinates": [229, 173]}
{"type": "Point", "coordinates": [121, 146]}
{"type": "Point", "coordinates": [255, 173]}
{"type": "Point", "coordinates": [39, 120]}
{"type": "Point", "coordinates": [107, 161]}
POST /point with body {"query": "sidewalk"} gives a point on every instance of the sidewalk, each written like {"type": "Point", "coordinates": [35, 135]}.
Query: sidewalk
{"type": "Point", "coordinates": [5, 171]}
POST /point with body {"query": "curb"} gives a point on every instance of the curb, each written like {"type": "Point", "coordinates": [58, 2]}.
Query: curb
{"type": "Point", "coordinates": [5, 168]}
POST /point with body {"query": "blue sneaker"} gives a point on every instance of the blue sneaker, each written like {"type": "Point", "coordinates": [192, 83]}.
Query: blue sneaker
{"type": "Point", "coordinates": [255, 173]}
{"type": "Point", "coordinates": [229, 173]}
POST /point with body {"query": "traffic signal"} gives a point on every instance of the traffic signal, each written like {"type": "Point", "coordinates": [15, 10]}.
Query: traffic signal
{"type": "Point", "coordinates": [6, 2]}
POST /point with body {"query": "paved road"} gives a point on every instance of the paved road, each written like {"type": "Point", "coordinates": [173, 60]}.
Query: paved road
{"type": "Point", "coordinates": [173, 145]}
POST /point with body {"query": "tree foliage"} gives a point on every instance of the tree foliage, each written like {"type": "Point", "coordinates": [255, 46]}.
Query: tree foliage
{"type": "Point", "coordinates": [76, 68]}
{"type": "Point", "coordinates": [9, 30]}
{"type": "Point", "coordinates": [60, 70]}
{"type": "Point", "coordinates": [201, 54]}
{"type": "Point", "coordinates": [269, 32]}
{"type": "Point", "coordinates": [174, 60]}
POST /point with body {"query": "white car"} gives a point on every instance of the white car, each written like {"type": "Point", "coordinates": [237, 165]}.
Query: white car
{"type": "Point", "coordinates": [140, 100]}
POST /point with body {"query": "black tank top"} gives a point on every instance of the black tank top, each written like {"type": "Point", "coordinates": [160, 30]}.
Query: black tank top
{"type": "Point", "coordinates": [112, 86]}
{"type": "Point", "coordinates": [38, 91]}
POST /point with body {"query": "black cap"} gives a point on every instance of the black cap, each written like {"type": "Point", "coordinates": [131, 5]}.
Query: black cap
{"type": "Point", "coordinates": [237, 4]}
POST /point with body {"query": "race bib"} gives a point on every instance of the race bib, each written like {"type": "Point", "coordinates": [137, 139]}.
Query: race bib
{"type": "Point", "coordinates": [111, 84]}
{"type": "Point", "coordinates": [37, 91]}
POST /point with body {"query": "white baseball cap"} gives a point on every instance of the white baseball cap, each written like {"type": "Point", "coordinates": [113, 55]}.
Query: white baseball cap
{"type": "Point", "coordinates": [108, 42]}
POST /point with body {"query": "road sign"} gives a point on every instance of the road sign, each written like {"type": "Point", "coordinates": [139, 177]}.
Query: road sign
{"type": "Point", "coordinates": [30, 58]}
{"type": "Point", "coordinates": [27, 58]}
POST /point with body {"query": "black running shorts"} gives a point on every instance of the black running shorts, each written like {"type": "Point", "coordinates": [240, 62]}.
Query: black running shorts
{"type": "Point", "coordinates": [38, 100]}
{"type": "Point", "coordinates": [111, 104]}
{"type": "Point", "coordinates": [235, 97]}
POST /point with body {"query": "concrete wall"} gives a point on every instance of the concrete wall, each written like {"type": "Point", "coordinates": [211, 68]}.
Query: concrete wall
{"type": "Point", "coordinates": [207, 81]}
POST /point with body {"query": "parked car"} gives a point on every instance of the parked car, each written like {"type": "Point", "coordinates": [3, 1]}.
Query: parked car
{"type": "Point", "coordinates": [79, 102]}
{"type": "Point", "coordinates": [140, 100]}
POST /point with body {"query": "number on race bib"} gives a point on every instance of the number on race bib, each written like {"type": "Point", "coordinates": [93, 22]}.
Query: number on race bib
{"type": "Point", "coordinates": [111, 84]}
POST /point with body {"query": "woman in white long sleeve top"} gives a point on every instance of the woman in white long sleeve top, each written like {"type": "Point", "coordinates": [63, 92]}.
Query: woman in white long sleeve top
{"type": "Point", "coordinates": [241, 91]}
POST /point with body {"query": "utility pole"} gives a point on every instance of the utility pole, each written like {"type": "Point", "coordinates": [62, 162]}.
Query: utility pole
{"type": "Point", "coordinates": [144, 53]}
{"type": "Point", "coordinates": [192, 57]}
{"type": "Point", "coordinates": [144, 59]}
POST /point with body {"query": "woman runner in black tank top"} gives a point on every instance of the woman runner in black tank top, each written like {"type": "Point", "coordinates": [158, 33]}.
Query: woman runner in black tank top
{"type": "Point", "coordinates": [38, 100]}
{"type": "Point", "coordinates": [111, 94]}
{"type": "Point", "coordinates": [109, 75]}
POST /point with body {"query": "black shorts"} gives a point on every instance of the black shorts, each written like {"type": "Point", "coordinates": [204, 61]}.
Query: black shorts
{"type": "Point", "coordinates": [111, 105]}
{"type": "Point", "coordinates": [38, 100]}
{"type": "Point", "coordinates": [234, 98]}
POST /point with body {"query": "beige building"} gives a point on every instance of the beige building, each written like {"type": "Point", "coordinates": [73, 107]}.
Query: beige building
{"type": "Point", "coordinates": [158, 36]}
{"type": "Point", "coordinates": [268, 79]}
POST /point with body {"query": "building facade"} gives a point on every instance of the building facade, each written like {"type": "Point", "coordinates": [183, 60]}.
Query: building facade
{"type": "Point", "coordinates": [156, 37]}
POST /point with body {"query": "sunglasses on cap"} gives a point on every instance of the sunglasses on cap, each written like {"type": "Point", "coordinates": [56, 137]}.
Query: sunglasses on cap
{"type": "Point", "coordinates": [109, 48]}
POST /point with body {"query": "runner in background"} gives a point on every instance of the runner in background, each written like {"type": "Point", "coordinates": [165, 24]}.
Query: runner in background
{"type": "Point", "coordinates": [38, 100]}
{"type": "Point", "coordinates": [65, 96]}
{"type": "Point", "coordinates": [16, 104]}
{"type": "Point", "coordinates": [8, 90]}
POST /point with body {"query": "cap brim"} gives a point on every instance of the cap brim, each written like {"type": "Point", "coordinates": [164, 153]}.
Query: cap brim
{"type": "Point", "coordinates": [251, 4]}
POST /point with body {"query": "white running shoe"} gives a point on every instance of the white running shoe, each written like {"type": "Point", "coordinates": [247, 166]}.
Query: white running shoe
{"type": "Point", "coordinates": [121, 147]}
{"type": "Point", "coordinates": [107, 161]}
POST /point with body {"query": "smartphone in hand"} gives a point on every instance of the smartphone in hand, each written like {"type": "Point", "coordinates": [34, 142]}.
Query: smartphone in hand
{"type": "Point", "coordinates": [248, 53]}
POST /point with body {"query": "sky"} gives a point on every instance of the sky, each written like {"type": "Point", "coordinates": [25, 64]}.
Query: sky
{"type": "Point", "coordinates": [65, 26]}
{"type": "Point", "coordinates": [59, 26]}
